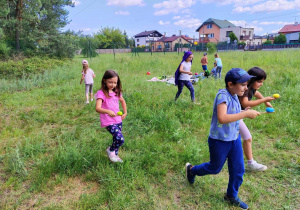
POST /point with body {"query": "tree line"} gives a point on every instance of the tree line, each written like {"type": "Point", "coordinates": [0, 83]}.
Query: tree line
{"type": "Point", "coordinates": [34, 27]}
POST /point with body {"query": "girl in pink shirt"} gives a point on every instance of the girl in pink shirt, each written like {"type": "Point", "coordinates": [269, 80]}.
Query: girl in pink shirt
{"type": "Point", "coordinates": [107, 105]}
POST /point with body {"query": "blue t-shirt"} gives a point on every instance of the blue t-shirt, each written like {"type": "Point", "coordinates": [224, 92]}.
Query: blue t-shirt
{"type": "Point", "coordinates": [229, 131]}
{"type": "Point", "coordinates": [219, 61]}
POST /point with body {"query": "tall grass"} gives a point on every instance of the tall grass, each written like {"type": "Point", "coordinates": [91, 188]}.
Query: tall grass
{"type": "Point", "coordinates": [49, 136]}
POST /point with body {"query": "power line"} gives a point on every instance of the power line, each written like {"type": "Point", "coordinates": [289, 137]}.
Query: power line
{"type": "Point", "coordinates": [85, 8]}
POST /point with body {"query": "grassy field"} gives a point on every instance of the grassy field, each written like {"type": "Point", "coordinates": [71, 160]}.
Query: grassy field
{"type": "Point", "coordinates": [52, 149]}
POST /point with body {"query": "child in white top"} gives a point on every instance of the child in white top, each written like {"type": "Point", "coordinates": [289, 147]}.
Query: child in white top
{"type": "Point", "coordinates": [182, 75]}
{"type": "Point", "coordinates": [87, 75]}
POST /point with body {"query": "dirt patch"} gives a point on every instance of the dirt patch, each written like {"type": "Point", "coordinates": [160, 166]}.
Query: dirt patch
{"type": "Point", "coordinates": [62, 194]}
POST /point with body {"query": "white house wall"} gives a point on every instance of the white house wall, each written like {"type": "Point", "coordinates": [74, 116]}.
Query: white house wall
{"type": "Point", "coordinates": [292, 36]}
{"type": "Point", "coordinates": [145, 40]}
{"type": "Point", "coordinates": [223, 31]}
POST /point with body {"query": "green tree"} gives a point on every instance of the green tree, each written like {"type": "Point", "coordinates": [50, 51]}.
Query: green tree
{"type": "Point", "coordinates": [88, 45]}
{"type": "Point", "coordinates": [299, 38]}
{"type": "Point", "coordinates": [212, 47]}
{"type": "Point", "coordinates": [109, 38]}
{"type": "Point", "coordinates": [281, 39]}
{"type": "Point", "coordinates": [27, 23]}
{"type": "Point", "coordinates": [268, 42]}
{"type": "Point", "coordinates": [232, 37]}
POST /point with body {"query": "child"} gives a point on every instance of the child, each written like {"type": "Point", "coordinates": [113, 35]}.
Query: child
{"type": "Point", "coordinates": [219, 65]}
{"type": "Point", "coordinates": [87, 76]}
{"type": "Point", "coordinates": [224, 140]}
{"type": "Point", "coordinates": [254, 84]}
{"type": "Point", "coordinates": [182, 75]}
{"type": "Point", "coordinates": [107, 105]}
{"type": "Point", "coordinates": [204, 63]}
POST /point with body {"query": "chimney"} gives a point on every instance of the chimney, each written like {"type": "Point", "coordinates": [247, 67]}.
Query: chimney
{"type": "Point", "coordinates": [296, 23]}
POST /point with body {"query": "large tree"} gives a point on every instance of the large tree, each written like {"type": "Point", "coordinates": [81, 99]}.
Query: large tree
{"type": "Point", "coordinates": [109, 38]}
{"type": "Point", "coordinates": [26, 23]}
{"type": "Point", "coordinates": [281, 39]}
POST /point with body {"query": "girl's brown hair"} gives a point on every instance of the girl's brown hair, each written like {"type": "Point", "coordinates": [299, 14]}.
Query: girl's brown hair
{"type": "Point", "coordinates": [216, 55]}
{"type": "Point", "coordinates": [108, 75]}
{"type": "Point", "coordinates": [85, 67]}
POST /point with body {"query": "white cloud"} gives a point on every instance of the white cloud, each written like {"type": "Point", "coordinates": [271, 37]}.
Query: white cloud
{"type": "Point", "coordinates": [125, 3]}
{"type": "Point", "coordinates": [163, 23]}
{"type": "Point", "coordinates": [85, 29]}
{"type": "Point", "coordinates": [235, 2]}
{"type": "Point", "coordinates": [176, 17]}
{"type": "Point", "coordinates": [275, 23]}
{"type": "Point", "coordinates": [173, 6]}
{"type": "Point", "coordinates": [76, 2]}
{"type": "Point", "coordinates": [122, 13]}
{"type": "Point", "coordinates": [269, 6]}
{"type": "Point", "coordinates": [188, 23]}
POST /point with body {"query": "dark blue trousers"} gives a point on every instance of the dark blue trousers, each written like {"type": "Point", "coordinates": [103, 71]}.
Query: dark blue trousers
{"type": "Point", "coordinates": [118, 139]}
{"type": "Point", "coordinates": [219, 152]}
{"type": "Point", "coordinates": [189, 85]}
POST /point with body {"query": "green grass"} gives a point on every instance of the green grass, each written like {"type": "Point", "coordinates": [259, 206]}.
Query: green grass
{"type": "Point", "coordinates": [52, 148]}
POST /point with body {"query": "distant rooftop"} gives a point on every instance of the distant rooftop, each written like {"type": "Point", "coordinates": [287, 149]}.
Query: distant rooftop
{"type": "Point", "coordinates": [219, 23]}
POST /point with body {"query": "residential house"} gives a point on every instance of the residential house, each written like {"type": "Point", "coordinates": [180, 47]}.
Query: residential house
{"type": "Point", "coordinates": [214, 30]}
{"type": "Point", "coordinates": [291, 32]}
{"type": "Point", "coordinates": [259, 40]}
{"type": "Point", "coordinates": [146, 37]}
{"type": "Point", "coordinates": [209, 31]}
{"type": "Point", "coordinates": [168, 43]}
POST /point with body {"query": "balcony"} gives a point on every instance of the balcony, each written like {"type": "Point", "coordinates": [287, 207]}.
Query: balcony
{"type": "Point", "coordinates": [244, 37]}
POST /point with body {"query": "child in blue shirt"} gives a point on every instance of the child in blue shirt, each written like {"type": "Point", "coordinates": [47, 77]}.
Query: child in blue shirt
{"type": "Point", "coordinates": [224, 140]}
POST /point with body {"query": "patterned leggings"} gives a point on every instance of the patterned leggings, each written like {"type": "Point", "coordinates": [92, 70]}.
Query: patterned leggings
{"type": "Point", "coordinates": [118, 139]}
{"type": "Point", "coordinates": [189, 85]}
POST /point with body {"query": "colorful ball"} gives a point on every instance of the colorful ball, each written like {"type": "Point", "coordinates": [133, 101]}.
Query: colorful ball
{"type": "Point", "coordinates": [270, 109]}
{"type": "Point", "coordinates": [119, 113]}
{"type": "Point", "coordinates": [276, 95]}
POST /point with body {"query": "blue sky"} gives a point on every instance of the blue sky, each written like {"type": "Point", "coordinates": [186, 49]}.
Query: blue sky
{"type": "Point", "coordinates": [170, 16]}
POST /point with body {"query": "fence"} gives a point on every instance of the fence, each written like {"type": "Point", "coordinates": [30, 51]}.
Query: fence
{"type": "Point", "coordinates": [225, 47]}
{"type": "Point", "coordinates": [111, 51]}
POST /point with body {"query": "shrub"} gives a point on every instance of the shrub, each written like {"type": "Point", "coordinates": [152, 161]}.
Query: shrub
{"type": "Point", "coordinates": [4, 50]}
{"type": "Point", "coordinates": [212, 47]}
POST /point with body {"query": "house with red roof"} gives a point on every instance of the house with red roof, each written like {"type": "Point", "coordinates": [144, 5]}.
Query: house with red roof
{"type": "Point", "coordinates": [291, 32]}
{"type": "Point", "coordinates": [168, 43]}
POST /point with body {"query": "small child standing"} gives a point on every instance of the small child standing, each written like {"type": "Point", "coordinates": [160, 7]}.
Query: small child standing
{"type": "Point", "coordinates": [182, 75]}
{"type": "Point", "coordinates": [254, 84]}
{"type": "Point", "coordinates": [224, 140]}
{"type": "Point", "coordinates": [219, 65]}
{"type": "Point", "coordinates": [107, 105]}
{"type": "Point", "coordinates": [87, 75]}
{"type": "Point", "coordinates": [204, 63]}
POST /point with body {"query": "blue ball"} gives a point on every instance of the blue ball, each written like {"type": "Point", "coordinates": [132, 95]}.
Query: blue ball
{"type": "Point", "coordinates": [269, 109]}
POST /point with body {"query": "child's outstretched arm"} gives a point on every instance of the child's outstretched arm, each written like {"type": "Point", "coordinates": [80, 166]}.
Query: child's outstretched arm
{"type": "Point", "coordinates": [124, 106]}
{"type": "Point", "coordinates": [225, 118]}
{"type": "Point", "coordinates": [260, 100]}
{"type": "Point", "coordinates": [103, 111]}
{"type": "Point", "coordinates": [258, 95]}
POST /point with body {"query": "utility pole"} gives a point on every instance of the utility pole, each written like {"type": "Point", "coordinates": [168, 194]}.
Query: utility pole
{"type": "Point", "coordinates": [180, 40]}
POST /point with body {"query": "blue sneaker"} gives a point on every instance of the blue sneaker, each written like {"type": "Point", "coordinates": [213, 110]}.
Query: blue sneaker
{"type": "Point", "coordinates": [190, 177]}
{"type": "Point", "coordinates": [236, 202]}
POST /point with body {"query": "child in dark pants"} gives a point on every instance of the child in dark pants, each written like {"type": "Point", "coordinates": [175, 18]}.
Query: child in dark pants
{"type": "Point", "coordinates": [224, 140]}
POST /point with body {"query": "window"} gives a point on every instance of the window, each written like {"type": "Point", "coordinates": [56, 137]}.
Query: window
{"type": "Point", "coordinates": [138, 45]}
{"type": "Point", "coordinates": [227, 33]}
{"type": "Point", "coordinates": [159, 47]}
{"type": "Point", "coordinates": [249, 33]}
{"type": "Point", "coordinates": [137, 40]}
{"type": "Point", "coordinates": [210, 35]}
{"type": "Point", "coordinates": [209, 25]}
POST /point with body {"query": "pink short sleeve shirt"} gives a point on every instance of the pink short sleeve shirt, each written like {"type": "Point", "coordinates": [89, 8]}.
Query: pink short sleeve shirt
{"type": "Point", "coordinates": [112, 104]}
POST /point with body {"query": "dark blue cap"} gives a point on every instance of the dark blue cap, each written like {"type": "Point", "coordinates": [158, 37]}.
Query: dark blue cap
{"type": "Point", "coordinates": [237, 75]}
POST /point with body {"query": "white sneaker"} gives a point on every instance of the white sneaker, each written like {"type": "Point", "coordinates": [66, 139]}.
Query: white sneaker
{"type": "Point", "coordinates": [92, 99]}
{"type": "Point", "coordinates": [119, 159]}
{"type": "Point", "coordinates": [254, 166]}
{"type": "Point", "coordinates": [87, 102]}
{"type": "Point", "coordinates": [112, 155]}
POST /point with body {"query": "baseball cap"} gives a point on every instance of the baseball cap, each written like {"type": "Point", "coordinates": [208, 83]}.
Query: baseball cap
{"type": "Point", "coordinates": [85, 62]}
{"type": "Point", "coordinates": [237, 75]}
{"type": "Point", "coordinates": [205, 54]}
